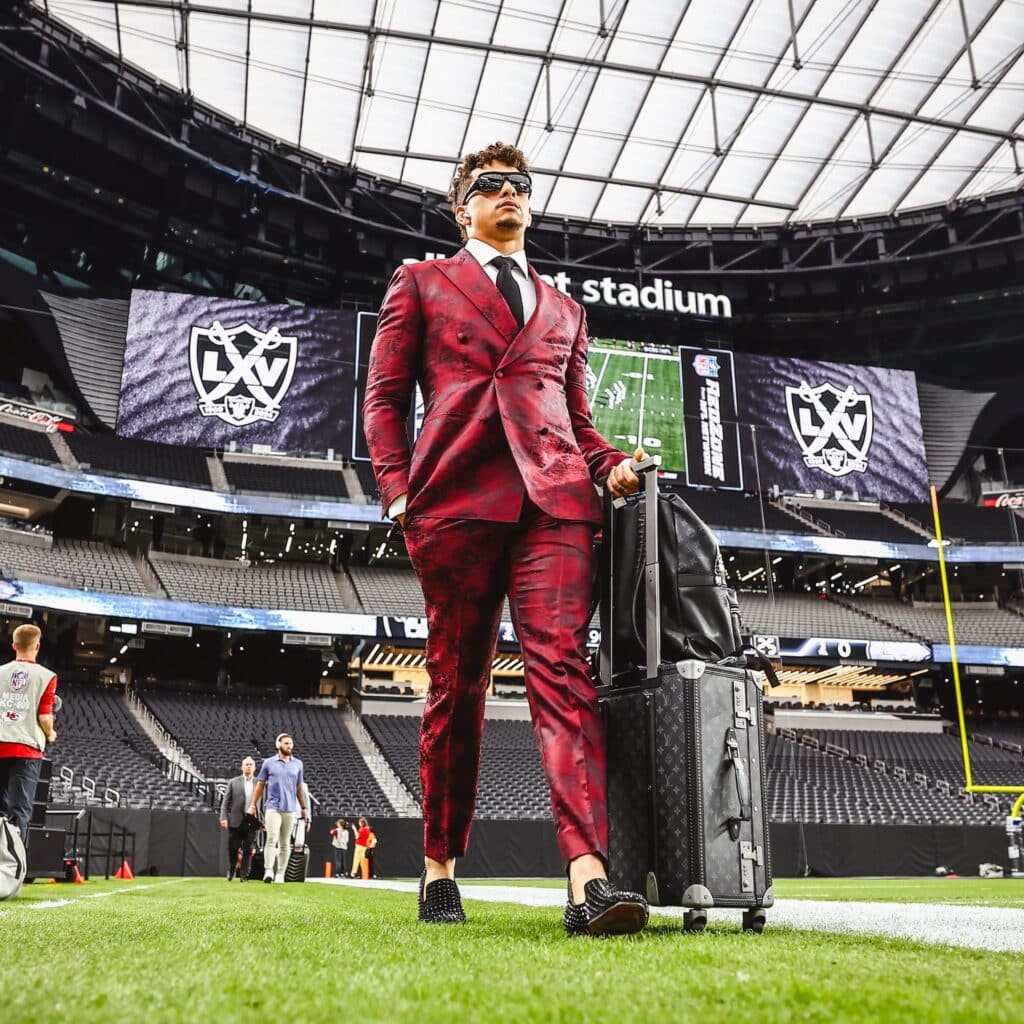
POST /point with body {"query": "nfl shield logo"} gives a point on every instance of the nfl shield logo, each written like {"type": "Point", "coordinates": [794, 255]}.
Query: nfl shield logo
{"type": "Point", "coordinates": [241, 374]}
{"type": "Point", "coordinates": [832, 427]}
{"type": "Point", "coordinates": [706, 366]}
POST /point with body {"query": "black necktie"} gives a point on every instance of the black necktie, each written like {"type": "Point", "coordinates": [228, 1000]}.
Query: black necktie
{"type": "Point", "coordinates": [508, 287]}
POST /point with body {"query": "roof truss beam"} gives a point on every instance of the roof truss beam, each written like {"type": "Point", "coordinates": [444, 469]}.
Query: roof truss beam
{"type": "Point", "coordinates": [580, 176]}
{"type": "Point", "coordinates": [541, 56]}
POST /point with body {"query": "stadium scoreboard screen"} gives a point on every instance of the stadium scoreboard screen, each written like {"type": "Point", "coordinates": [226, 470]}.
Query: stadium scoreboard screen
{"type": "Point", "coordinates": [210, 372]}
{"type": "Point", "coordinates": [756, 422]}
{"type": "Point", "coordinates": [207, 371]}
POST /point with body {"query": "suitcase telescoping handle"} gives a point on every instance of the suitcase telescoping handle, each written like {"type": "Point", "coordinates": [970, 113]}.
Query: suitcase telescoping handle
{"type": "Point", "coordinates": [739, 770]}
{"type": "Point", "coordinates": [646, 470]}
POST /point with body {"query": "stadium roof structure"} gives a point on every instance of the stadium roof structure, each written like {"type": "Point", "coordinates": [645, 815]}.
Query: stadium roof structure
{"type": "Point", "coordinates": [650, 113]}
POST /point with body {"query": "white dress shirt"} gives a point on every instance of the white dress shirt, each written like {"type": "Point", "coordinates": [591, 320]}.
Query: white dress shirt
{"type": "Point", "coordinates": [483, 254]}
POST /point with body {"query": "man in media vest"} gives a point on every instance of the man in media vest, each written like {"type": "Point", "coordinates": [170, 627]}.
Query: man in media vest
{"type": "Point", "coordinates": [498, 497]}
{"type": "Point", "coordinates": [27, 693]}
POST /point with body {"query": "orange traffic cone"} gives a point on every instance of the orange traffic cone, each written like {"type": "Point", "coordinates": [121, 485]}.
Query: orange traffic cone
{"type": "Point", "coordinates": [328, 869]}
{"type": "Point", "coordinates": [78, 879]}
{"type": "Point", "coordinates": [124, 871]}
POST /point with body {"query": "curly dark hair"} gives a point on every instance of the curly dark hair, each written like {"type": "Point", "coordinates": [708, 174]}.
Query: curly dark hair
{"type": "Point", "coordinates": [496, 153]}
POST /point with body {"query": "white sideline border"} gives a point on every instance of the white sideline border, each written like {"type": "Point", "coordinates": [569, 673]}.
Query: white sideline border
{"type": "Point", "coordinates": [51, 904]}
{"type": "Point", "coordinates": [995, 929]}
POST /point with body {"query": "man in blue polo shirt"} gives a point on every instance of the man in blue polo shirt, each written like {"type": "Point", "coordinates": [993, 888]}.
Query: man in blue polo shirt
{"type": "Point", "coordinates": [281, 777]}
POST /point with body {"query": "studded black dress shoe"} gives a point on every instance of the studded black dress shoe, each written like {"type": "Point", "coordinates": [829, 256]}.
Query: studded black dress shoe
{"type": "Point", "coordinates": [605, 911]}
{"type": "Point", "coordinates": [440, 902]}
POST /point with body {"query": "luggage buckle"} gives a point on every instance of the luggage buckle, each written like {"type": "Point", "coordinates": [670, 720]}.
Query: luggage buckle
{"type": "Point", "coordinates": [742, 714]}
{"type": "Point", "coordinates": [750, 856]}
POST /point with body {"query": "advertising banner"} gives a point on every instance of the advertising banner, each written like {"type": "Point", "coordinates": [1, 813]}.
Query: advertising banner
{"type": "Point", "coordinates": [208, 371]}
{"type": "Point", "coordinates": [802, 425]}
{"type": "Point", "coordinates": [711, 429]}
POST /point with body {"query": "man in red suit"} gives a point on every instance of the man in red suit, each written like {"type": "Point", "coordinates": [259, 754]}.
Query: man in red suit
{"type": "Point", "coordinates": [498, 497]}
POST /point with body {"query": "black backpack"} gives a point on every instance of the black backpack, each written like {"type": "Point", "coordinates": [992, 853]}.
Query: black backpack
{"type": "Point", "coordinates": [699, 613]}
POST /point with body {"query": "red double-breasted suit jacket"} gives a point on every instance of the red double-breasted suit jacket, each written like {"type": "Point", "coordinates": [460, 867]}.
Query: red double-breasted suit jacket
{"type": "Point", "coordinates": [505, 411]}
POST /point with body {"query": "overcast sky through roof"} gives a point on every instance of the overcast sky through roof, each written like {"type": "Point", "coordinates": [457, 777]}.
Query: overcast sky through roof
{"type": "Point", "coordinates": [631, 111]}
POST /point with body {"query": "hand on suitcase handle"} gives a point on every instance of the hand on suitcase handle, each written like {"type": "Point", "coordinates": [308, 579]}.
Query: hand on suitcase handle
{"type": "Point", "coordinates": [623, 480]}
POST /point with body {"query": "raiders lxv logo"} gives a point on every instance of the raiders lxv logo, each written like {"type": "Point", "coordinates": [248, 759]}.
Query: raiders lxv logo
{"type": "Point", "coordinates": [833, 427]}
{"type": "Point", "coordinates": [241, 373]}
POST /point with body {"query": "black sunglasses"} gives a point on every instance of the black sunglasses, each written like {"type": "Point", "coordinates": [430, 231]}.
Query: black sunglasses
{"type": "Point", "coordinates": [493, 181]}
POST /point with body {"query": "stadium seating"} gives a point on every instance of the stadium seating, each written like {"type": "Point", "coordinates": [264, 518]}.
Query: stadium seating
{"type": "Point", "coordinates": [866, 524]}
{"type": "Point", "coordinates": [802, 616]}
{"type": "Point", "coordinates": [292, 585]}
{"type": "Point", "coordinates": [961, 521]}
{"type": "Point", "coordinates": [218, 732]}
{"type": "Point", "coordinates": [1008, 733]}
{"type": "Point", "coordinates": [388, 591]}
{"type": "Point", "coordinates": [174, 463]}
{"type": "Point", "coordinates": [99, 738]}
{"type": "Point", "coordinates": [978, 622]}
{"type": "Point", "coordinates": [935, 755]}
{"type": "Point", "coordinates": [84, 564]}
{"type": "Point", "coordinates": [367, 480]}
{"type": "Point", "coordinates": [265, 476]}
{"type": "Point", "coordinates": [739, 511]}
{"type": "Point", "coordinates": [29, 444]}
{"type": "Point", "coordinates": [810, 785]}
{"type": "Point", "coordinates": [512, 783]}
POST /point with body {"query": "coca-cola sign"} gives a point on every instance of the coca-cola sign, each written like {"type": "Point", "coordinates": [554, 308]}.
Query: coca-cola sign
{"type": "Point", "coordinates": [50, 421]}
{"type": "Point", "coordinates": [1008, 499]}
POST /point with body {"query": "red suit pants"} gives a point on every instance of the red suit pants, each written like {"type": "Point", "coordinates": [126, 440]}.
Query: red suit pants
{"type": "Point", "coordinates": [546, 566]}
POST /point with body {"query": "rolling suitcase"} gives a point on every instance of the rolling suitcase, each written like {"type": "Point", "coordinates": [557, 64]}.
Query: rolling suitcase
{"type": "Point", "coordinates": [298, 861]}
{"type": "Point", "coordinates": [686, 771]}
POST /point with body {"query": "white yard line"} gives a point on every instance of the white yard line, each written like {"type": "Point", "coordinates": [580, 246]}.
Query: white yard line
{"type": "Point", "coordinates": [632, 352]}
{"type": "Point", "coordinates": [997, 929]}
{"type": "Point", "coordinates": [643, 400]}
{"type": "Point", "coordinates": [600, 377]}
{"type": "Point", "coordinates": [50, 904]}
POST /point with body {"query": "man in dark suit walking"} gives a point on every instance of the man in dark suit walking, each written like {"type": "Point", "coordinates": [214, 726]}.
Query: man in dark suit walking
{"type": "Point", "coordinates": [498, 497]}
{"type": "Point", "coordinates": [234, 818]}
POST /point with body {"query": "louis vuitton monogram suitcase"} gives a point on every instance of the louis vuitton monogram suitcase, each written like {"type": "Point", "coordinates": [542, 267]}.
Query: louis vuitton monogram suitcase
{"type": "Point", "coordinates": [688, 823]}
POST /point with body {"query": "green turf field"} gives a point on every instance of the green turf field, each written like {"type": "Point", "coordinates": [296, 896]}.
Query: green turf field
{"type": "Point", "coordinates": [635, 398]}
{"type": "Point", "coordinates": [191, 950]}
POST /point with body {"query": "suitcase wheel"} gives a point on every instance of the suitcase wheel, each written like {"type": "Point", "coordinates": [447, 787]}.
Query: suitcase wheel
{"type": "Point", "coordinates": [695, 920]}
{"type": "Point", "coordinates": [754, 920]}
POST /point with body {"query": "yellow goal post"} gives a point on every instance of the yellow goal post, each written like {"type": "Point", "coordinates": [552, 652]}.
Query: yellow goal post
{"type": "Point", "coordinates": [971, 786]}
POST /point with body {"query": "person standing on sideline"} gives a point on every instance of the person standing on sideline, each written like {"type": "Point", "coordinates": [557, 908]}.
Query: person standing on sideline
{"type": "Point", "coordinates": [498, 498]}
{"type": "Point", "coordinates": [27, 694]}
{"type": "Point", "coordinates": [234, 817]}
{"type": "Point", "coordinates": [281, 777]}
{"type": "Point", "coordinates": [371, 853]}
{"type": "Point", "coordinates": [341, 837]}
{"type": "Point", "coordinates": [362, 841]}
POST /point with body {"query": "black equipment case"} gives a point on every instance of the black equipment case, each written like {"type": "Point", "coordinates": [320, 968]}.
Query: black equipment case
{"type": "Point", "coordinates": [298, 861]}
{"type": "Point", "coordinates": [687, 818]}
